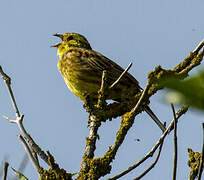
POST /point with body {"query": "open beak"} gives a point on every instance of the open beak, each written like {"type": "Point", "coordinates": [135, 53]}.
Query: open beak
{"type": "Point", "coordinates": [57, 35]}
{"type": "Point", "coordinates": [55, 45]}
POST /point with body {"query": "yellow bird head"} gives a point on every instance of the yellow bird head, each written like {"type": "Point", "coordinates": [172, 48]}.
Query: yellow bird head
{"type": "Point", "coordinates": [70, 41]}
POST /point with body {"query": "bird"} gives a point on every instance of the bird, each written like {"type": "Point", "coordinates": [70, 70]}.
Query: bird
{"type": "Point", "coordinates": [82, 69]}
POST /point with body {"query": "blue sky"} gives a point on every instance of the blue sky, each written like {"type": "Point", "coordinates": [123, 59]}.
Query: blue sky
{"type": "Point", "coordinates": [147, 33]}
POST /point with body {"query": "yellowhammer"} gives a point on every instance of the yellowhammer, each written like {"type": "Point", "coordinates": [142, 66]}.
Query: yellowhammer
{"type": "Point", "coordinates": [82, 70]}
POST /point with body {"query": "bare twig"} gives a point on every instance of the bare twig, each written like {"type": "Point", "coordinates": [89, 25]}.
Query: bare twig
{"type": "Point", "coordinates": [175, 143]}
{"type": "Point", "coordinates": [103, 81]}
{"type": "Point", "coordinates": [152, 165]}
{"type": "Point", "coordinates": [148, 110]}
{"type": "Point", "coordinates": [33, 145]}
{"type": "Point", "coordinates": [179, 113]}
{"type": "Point", "coordinates": [30, 155]}
{"type": "Point", "coordinates": [7, 80]}
{"type": "Point", "coordinates": [199, 46]}
{"type": "Point", "coordinates": [35, 155]}
{"type": "Point", "coordinates": [129, 66]}
{"type": "Point", "coordinates": [19, 118]}
{"type": "Point", "coordinates": [202, 158]}
{"type": "Point", "coordinates": [101, 93]}
{"type": "Point", "coordinates": [5, 159]}
{"type": "Point", "coordinates": [151, 152]}
{"type": "Point", "coordinates": [141, 98]}
{"type": "Point", "coordinates": [6, 164]}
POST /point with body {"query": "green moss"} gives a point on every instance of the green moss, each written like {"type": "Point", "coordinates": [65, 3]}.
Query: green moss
{"type": "Point", "coordinates": [98, 167]}
{"type": "Point", "coordinates": [193, 163]}
{"type": "Point", "coordinates": [54, 174]}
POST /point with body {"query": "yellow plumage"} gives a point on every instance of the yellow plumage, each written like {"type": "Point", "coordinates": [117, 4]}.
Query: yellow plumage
{"type": "Point", "coordinates": [82, 68]}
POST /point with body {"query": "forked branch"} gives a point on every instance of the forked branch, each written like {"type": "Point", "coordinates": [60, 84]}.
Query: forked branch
{"type": "Point", "coordinates": [182, 111]}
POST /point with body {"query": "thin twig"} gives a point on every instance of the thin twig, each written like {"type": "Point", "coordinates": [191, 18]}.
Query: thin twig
{"type": "Point", "coordinates": [148, 110]}
{"type": "Point", "coordinates": [28, 151]}
{"type": "Point", "coordinates": [33, 145]}
{"type": "Point", "coordinates": [5, 159]}
{"type": "Point", "coordinates": [19, 119]}
{"type": "Point", "coordinates": [152, 165]}
{"type": "Point", "coordinates": [6, 164]}
{"type": "Point", "coordinates": [103, 81]}
{"type": "Point", "coordinates": [141, 98]}
{"type": "Point", "coordinates": [179, 113]}
{"type": "Point", "coordinates": [35, 155]}
{"type": "Point", "coordinates": [101, 93]}
{"type": "Point", "coordinates": [7, 81]}
{"type": "Point", "coordinates": [202, 158]}
{"type": "Point", "coordinates": [199, 46]}
{"type": "Point", "coordinates": [175, 143]}
{"type": "Point", "coordinates": [129, 66]}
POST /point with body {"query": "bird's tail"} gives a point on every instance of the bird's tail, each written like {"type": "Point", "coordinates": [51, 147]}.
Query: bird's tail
{"type": "Point", "coordinates": [154, 117]}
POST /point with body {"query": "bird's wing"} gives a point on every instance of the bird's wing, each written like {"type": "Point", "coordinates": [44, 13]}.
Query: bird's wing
{"type": "Point", "coordinates": [101, 63]}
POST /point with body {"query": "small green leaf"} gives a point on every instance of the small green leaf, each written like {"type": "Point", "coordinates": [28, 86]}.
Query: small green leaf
{"type": "Point", "coordinates": [19, 175]}
{"type": "Point", "coordinates": [190, 91]}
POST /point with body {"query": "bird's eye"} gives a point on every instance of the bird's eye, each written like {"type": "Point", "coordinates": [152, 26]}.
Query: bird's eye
{"type": "Point", "coordinates": [70, 38]}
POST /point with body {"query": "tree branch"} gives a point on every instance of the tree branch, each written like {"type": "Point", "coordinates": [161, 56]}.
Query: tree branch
{"type": "Point", "coordinates": [19, 118]}
{"type": "Point", "coordinates": [175, 143]}
{"type": "Point", "coordinates": [6, 164]}
{"type": "Point", "coordinates": [28, 151]}
{"type": "Point", "coordinates": [126, 70]}
{"type": "Point", "coordinates": [94, 124]}
{"type": "Point", "coordinates": [152, 165]}
{"type": "Point", "coordinates": [199, 47]}
{"type": "Point", "coordinates": [182, 111]}
{"type": "Point", "coordinates": [126, 123]}
{"type": "Point", "coordinates": [113, 110]}
{"type": "Point", "coordinates": [155, 79]}
{"type": "Point", "coordinates": [7, 81]}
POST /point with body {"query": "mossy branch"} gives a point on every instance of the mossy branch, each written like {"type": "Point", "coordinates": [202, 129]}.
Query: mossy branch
{"type": "Point", "coordinates": [94, 168]}
{"type": "Point", "coordinates": [155, 81]}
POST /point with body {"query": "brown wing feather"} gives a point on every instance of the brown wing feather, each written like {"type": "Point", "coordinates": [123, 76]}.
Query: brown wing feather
{"type": "Point", "coordinates": [99, 62]}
